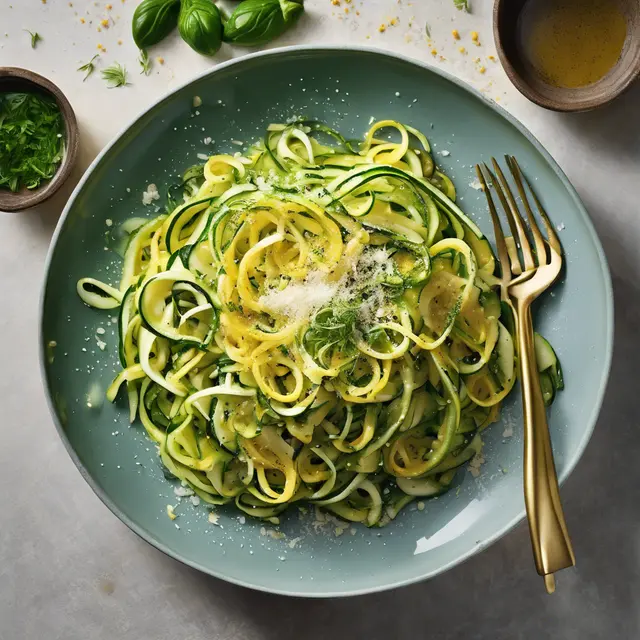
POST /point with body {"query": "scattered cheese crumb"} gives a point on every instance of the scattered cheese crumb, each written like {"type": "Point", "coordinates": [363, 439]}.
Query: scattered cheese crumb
{"type": "Point", "coordinates": [108, 222]}
{"type": "Point", "coordinates": [202, 156]}
{"type": "Point", "coordinates": [445, 153]}
{"type": "Point", "coordinates": [170, 512]}
{"type": "Point", "coordinates": [197, 101]}
{"type": "Point", "coordinates": [100, 331]}
{"type": "Point", "coordinates": [207, 140]}
{"type": "Point", "coordinates": [195, 500]}
{"type": "Point", "coordinates": [183, 492]}
{"type": "Point", "coordinates": [476, 184]}
{"type": "Point", "coordinates": [420, 506]}
{"type": "Point", "coordinates": [292, 543]}
{"type": "Point", "coordinates": [508, 432]}
{"type": "Point", "coordinates": [476, 462]}
{"type": "Point", "coordinates": [150, 195]}
{"type": "Point", "coordinates": [213, 517]}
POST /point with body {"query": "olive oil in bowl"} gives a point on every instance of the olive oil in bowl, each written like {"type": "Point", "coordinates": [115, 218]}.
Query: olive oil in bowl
{"type": "Point", "coordinates": [572, 43]}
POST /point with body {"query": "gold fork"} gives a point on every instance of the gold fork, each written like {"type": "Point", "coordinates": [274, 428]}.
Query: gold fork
{"type": "Point", "coordinates": [523, 283]}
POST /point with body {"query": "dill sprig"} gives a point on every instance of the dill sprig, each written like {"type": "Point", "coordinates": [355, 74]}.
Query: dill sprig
{"type": "Point", "coordinates": [31, 140]}
{"type": "Point", "coordinates": [333, 331]}
{"type": "Point", "coordinates": [35, 37]}
{"type": "Point", "coordinates": [88, 68]}
{"type": "Point", "coordinates": [115, 75]}
{"type": "Point", "coordinates": [145, 62]}
{"type": "Point", "coordinates": [462, 5]}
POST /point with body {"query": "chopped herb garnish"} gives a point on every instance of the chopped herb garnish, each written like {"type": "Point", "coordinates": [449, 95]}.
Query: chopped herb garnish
{"type": "Point", "coordinates": [88, 68]}
{"type": "Point", "coordinates": [427, 30]}
{"type": "Point", "coordinates": [115, 75]}
{"type": "Point", "coordinates": [462, 5]}
{"type": "Point", "coordinates": [145, 62]}
{"type": "Point", "coordinates": [35, 38]}
{"type": "Point", "coordinates": [31, 140]}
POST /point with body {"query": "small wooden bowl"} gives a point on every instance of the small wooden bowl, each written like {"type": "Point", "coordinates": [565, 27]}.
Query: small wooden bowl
{"type": "Point", "coordinates": [533, 87]}
{"type": "Point", "coordinates": [14, 79]}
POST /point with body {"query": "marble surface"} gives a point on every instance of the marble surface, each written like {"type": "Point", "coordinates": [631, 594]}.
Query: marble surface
{"type": "Point", "coordinates": [69, 569]}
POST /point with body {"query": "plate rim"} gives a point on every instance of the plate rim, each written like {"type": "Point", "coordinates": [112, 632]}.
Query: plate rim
{"type": "Point", "coordinates": [150, 538]}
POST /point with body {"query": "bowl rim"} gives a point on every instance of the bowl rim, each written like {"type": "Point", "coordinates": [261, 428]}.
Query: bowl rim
{"type": "Point", "coordinates": [286, 51]}
{"type": "Point", "coordinates": [537, 98]}
{"type": "Point", "coordinates": [44, 192]}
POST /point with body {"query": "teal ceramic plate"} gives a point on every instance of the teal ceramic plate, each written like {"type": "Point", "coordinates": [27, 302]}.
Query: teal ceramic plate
{"type": "Point", "coordinates": [345, 87]}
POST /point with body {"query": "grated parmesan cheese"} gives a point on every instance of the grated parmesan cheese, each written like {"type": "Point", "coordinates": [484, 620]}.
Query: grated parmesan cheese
{"type": "Point", "coordinates": [150, 195]}
{"type": "Point", "coordinates": [300, 300]}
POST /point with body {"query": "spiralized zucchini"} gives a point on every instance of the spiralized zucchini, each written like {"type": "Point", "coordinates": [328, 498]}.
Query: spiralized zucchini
{"type": "Point", "coordinates": [316, 321]}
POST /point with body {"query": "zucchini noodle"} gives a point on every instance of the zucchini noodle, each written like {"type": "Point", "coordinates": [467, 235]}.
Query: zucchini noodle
{"type": "Point", "coordinates": [315, 321]}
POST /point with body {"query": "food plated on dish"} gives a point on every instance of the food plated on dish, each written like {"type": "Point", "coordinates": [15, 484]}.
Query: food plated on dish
{"type": "Point", "coordinates": [81, 345]}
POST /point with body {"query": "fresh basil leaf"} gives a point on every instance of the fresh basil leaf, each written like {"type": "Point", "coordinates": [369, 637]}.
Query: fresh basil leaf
{"type": "Point", "coordinates": [153, 20]}
{"type": "Point", "coordinates": [256, 22]}
{"type": "Point", "coordinates": [200, 26]}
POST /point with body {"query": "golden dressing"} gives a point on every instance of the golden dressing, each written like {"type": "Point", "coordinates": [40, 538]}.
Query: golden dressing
{"type": "Point", "coordinates": [572, 43]}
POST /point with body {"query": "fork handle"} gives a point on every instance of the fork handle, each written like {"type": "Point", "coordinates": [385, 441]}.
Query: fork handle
{"type": "Point", "coordinates": [552, 548]}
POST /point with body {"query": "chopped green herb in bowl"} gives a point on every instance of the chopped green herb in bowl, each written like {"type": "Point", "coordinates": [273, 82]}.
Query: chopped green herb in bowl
{"type": "Point", "coordinates": [31, 140]}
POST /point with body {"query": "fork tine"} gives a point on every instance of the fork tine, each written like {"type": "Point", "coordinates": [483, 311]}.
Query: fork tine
{"type": "Point", "coordinates": [501, 245]}
{"type": "Point", "coordinates": [521, 235]}
{"type": "Point", "coordinates": [541, 250]}
{"type": "Point", "coordinates": [512, 250]}
{"type": "Point", "coordinates": [553, 239]}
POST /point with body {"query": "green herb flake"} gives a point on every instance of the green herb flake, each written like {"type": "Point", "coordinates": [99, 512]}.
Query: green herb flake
{"type": "Point", "coordinates": [115, 75]}
{"type": "Point", "coordinates": [427, 30]}
{"type": "Point", "coordinates": [145, 62]}
{"type": "Point", "coordinates": [35, 37]}
{"type": "Point", "coordinates": [88, 68]}
{"type": "Point", "coordinates": [462, 5]}
{"type": "Point", "coordinates": [31, 140]}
